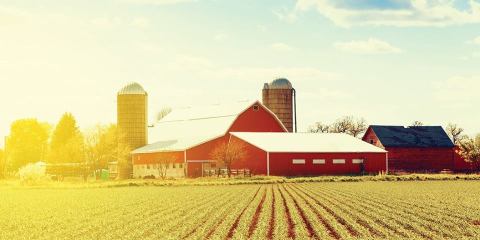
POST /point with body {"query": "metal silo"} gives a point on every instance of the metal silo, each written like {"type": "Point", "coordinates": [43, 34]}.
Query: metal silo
{"type": "Point", "coordinates": [279, 96]}
{"type": "Point", "coordinates": [132, 116]}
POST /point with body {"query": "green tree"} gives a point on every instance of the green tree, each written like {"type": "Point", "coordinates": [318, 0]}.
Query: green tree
{"type": "Point", "coordinates": [2, 163]}
{"type": "Point", "coordinates": [469, 149]}
{"type": "Point", "coordinates": [27, 143]}
{"type": "Point", "coordinates": [106, 143]}
{"type": "Point", "coordinates": [67, 143]}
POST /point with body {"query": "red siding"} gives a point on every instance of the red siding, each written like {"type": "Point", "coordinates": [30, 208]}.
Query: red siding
{"type": "Point", "coordinates": [281, 163]}
{"type": "Point", "coordinates": [149, 158]}
{"type": "Point", "coordinates": [261, 120]}
{"type": "Point", "coordinates": [420, 159]}
{"type": "Point", "coordinates": [372, 138]}
{"type": "Point", "coordinates": [255, 159]}
{"type": "Point", "coordinates": [415, 159]}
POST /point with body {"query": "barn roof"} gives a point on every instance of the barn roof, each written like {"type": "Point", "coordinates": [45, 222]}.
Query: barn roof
{"type": "Point", "coordinates": [188, 127]}
{"type": "Point", "coordinates": [422, 136]}
{"type": "Point", "coordinates": [307, 142]}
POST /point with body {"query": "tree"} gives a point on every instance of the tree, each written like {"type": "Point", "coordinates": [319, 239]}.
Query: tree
{"type": "Point", "coordinates": [454, 132]}
{"type": "Point", "coordinates": [319, 127]}
{"type": "Point", "coordinates": [2, 163]}
{"type": "Point", "coordinates": [417, 124]}
{"type": "Point", "coordinates": [122, 152]}
{"type": "Point", "coordinates": [106, 143]}
{"type": "Point", "coordinates": [349, 125]}
{"type": "Point", "coordinates": [164, 163]}
{"type": "Point", "coordinates": [228, 153]}
{"type": "Point", "coordinates": [342, 125]}
{"type": "Point", "coordinates": [27, 143]}
{"type": "Point", "coordinates": [67, 143]}
{"type": "Point", "coordinates": [358, 127]}
{"type": "Point", "coordinates": [469, 149]}
{"type": "Point", "coordinates": [163, 113]}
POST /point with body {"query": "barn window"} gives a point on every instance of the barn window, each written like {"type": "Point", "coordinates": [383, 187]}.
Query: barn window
{"type": "Point", "coordinates": [338, 161]}
{"type": "Point", "coordinates": [255, 107]}
{"type": "Point", "coordinates": [357, 161]}
{"type": "Point", "coordinates": [318, 161]}
{"type": "Point", "coordinates": [372, 141]}
{"type": "Point", "coordinates": [298, 161]}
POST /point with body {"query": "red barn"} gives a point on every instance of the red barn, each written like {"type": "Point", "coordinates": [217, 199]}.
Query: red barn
{"type": "Point", "coordinates": [414, 149]}
{"type": "Point", "coordinates": [187, 137]}
{"type": "Point", "coordinates": [308, 154]}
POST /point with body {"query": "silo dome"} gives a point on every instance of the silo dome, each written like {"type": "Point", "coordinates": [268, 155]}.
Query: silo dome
{"type": "Point", "coordinates": [280, 83]}
{"type": "Point", "coordinates": [132, 88]}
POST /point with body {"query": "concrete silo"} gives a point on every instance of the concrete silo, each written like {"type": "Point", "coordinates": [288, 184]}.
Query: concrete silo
{"type": "Point", "coordinates": [279, 96]}
{"type": "Point", "coordinates": [132, 116]}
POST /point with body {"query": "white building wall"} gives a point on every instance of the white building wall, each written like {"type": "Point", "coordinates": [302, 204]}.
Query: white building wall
{"type": "Point", "coordinates": [174, 170]}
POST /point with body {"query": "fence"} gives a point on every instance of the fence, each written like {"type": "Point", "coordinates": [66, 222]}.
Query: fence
{"type": "Point", "coordinates": [224, 172]}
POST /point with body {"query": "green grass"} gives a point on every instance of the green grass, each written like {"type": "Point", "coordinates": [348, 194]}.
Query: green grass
{"type": "Point", "coordinates": [301, 210]}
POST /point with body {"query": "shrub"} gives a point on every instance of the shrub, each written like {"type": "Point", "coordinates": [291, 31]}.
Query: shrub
{"type": "Point", "coordinates": [32, 173]}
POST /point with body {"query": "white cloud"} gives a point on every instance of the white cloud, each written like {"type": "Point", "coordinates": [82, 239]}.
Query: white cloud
{"type": "Point", "coordinates": [413, 13]}
{"type": "Point", "coordinates": [220, 37]}
{"type": "Point", "coordinates": [370, 46]}
{"type": "Point", "coordinates": [281, 47]}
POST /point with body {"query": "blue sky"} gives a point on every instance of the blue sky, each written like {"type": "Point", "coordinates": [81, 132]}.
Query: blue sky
{"type": "Point", "coordinates": [391, 62]}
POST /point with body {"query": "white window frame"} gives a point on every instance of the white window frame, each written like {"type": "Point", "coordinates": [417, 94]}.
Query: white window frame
{"type": "Point", "coordinates": [298, 161]}
{"type": "Point", "coordinates": [318, 161]}
{"type": "Point", "coordinates": [357, 160]}
{"type": "Point", "coordinates": [338, 161]}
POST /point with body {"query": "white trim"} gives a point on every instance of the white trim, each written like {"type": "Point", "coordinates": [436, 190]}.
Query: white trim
{"type": "Point", "coordinates": [318, 161]}
{"type": "Point", "coordinates": [357, 160]}
{"type": "Point", "coordinates": [268, 164]}
{"type": "Point", "coordinates": [298, 161]}
{"type": "Point", "coordinates": [338, 161]}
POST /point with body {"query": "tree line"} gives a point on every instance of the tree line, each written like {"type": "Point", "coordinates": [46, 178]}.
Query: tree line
{"type": "Point", "coordinates": [32, 141]}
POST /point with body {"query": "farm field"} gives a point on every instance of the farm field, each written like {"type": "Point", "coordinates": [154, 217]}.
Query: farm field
{"type": "Point", "coordinates": [337, 210]}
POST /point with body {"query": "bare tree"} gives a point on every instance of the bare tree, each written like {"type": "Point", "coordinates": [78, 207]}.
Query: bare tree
{"type": "Point", "coordinates": [228, 153]}
{"type": "Point", "coordinates": [163, 113]}
{"type": "Point", "coordinates": [319, 127]}
{"type": "Point", "coordinates": [164, 164]}
{"type": "Point", "coordinates": [342, 125]}
{"type": "Point", "coordinates": [358, 127]}
{"type": "Point", "coordinates": [454, 132]}
{"type": "Point", "coordinates": [469, 149]}
{"type": "Point", "coordinates": [417, 124]}
{"type": "Point", "coordinates": [348, 124]}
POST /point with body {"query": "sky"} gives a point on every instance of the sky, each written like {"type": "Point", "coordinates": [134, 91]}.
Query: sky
{"type": "Point", "coordinates": [388, 61]}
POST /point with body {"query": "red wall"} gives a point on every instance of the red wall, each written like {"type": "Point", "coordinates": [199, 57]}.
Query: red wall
{"type": "Point", "coordinates": [281, 163]}
{"type": "Point", "coordinates": [260, 120]}
{"type": "Point", "coordinates": [369, 136]}
{"type": "Point", "coordinates": [255, 159]}
{"type": "Point", "coordinates": [459, 163]}
{"type": "Point", "coordinates": [148, 158]}
{"type": "Point", "coordinates": [420, 159]}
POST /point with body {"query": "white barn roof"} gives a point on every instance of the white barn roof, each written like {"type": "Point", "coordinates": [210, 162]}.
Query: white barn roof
{"type": "Point", "coordinates": [188, 127]}
{"type": "Point", "coordinates": [307, 142]}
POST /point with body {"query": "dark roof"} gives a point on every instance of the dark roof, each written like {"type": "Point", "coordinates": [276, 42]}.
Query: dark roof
{"type": "Point", "coordinates": [424, 136]}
